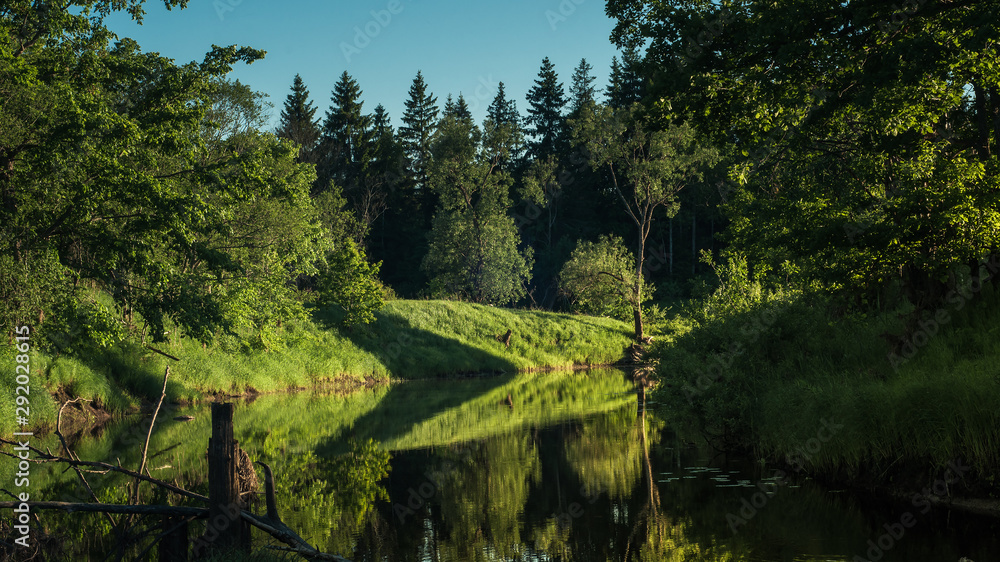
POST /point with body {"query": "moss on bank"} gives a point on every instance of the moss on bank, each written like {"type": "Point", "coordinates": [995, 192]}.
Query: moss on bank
{"type": "Point", "coordinates": [409, 340]}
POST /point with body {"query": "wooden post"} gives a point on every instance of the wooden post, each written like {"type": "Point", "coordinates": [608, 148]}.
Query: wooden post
{"type": "Point", "coordinates": [224, 530]}
{"type": "Point", "coordinates": [174, 546]}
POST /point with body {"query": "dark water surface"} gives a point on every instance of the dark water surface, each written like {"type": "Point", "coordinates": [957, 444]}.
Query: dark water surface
{"type": "Point", "coordinates": [554, 466]}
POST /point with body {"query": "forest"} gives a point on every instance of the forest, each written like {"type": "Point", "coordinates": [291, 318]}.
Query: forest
{"type": "Point", "coordinates": [783, 211]}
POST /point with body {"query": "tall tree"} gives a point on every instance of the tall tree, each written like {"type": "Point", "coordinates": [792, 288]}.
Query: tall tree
{"type": "Point", "coordinates": [503, 110]}
{"type": "Point", "coordinates": [473, 242]}
{"type": "Point", "coordinates": [624, 88]}
{"type": "Point", "coordinates": [344, 146]}
{"type": "Point", "coordinates": [502, 113]}
{"type": "Point", "coordinates": [647, 169]}
{"type": "Point", "coordinates": [581, 90]}
{"type": "Point", "coordinates": [545, 122]}
{"type": "Point", "coordinates": [298, 122]}
{"type": "Point", "coordinates": [419, 121]}
{"type": "Point", "coordinates": [865, 142]}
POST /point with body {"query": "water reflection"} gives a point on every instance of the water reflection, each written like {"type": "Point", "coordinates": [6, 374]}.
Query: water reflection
{"type": "Point", "coordinates": [569, 468]}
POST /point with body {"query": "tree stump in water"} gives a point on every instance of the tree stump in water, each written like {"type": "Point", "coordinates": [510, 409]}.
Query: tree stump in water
{"type": "Point", "coordinates": [225, 529]}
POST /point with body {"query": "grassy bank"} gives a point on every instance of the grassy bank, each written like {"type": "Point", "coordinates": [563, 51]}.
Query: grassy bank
{"type": "Point", "coordinates": [781, 376]}
{"type": "Point", "coordinates": [409, 340]}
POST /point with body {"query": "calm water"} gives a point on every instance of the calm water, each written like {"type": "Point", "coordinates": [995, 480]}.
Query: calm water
{"type": "Point", "coordinates": [559, 466]}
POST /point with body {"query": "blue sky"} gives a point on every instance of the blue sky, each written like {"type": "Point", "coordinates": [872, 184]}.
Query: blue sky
{"type": "Point", "coordinates": [460, 46]}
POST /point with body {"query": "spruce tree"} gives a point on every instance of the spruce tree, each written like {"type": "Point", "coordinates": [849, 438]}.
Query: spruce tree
{"type": "Point", "coordinates": [615, 92]}
{"type": "Point", "coordinates": [626, 85]}
{"type": "Point", "coordinates": [462, 110]}
{"type": "Point", "coordinates": [502, 110]}
{"type": "Point", "coordinates": [458, 109]}
{"type": "Point", "coordinates": [504, 123]}
{"type": "Point", "coordinates": [581, 91]}
{"type": "Point", "coordinates": [419, 122]}
{"type": "Point", "coordinates": [298, 122]}
{"type": "Point", "coordinates": [345, 143]}
{"type": "Point", "coordinates": [546, 123]}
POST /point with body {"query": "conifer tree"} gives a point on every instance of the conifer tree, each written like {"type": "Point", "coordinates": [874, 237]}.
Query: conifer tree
{"type": "Point", "coordinates": [504, 123]}
{"type": "Point", "coordinates": [345, 143]}
{"type": "Point", "coordinates": [545, 121]}
{"type": "Point", "coordinates": [462, 110]}
{"type": "Point", "coordinates": [502, 110]}
{"type": "Point", "coordinates": [581, 90]}
{"type": "Point", "coordinates": [419, 121]}
{"type": "Point", "coordinates": [625, 86]}
{"type": "Point", "coordinates": [298, 122]}
{"type": "Point", "coordinates": [458, 109]}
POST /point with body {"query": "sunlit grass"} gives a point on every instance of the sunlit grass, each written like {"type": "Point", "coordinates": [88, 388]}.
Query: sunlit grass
{"type": "Point", "coordinates": [409, 340]}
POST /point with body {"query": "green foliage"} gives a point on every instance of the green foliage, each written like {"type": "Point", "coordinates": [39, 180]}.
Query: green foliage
{"type": "Point", "coordinates": [599, 279]}
{"type": "Point", "coordinates": [759, 370]}
{"type": "Point", "coordinates": [864, 142]}
{"type": "Point", "coordinates": [351, 283]}
{"type": "Point", "coordinates": [146, 177]}
{"type": "Point", "coordinates": [298, 121]}
{"type": "Point", "coordinates": [474, 243]}
{"type": "Point", "coordinates": [648, 167]}
{"type": "Point", "coordinates": [546, 123]}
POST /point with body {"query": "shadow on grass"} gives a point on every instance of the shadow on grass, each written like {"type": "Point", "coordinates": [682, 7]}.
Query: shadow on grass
{"type": "Point", "coordinates": [412, 352]}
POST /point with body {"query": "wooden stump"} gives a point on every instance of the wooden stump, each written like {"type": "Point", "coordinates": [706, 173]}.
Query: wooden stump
{"type": "Point", "coordinates": [225, 529]}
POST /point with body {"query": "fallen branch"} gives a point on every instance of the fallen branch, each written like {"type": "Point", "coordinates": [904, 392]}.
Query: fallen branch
{"type": "Point", "coordinates": [167, 355]}
{"type": "Point", "coordinates": [277, 530]}
{"type": "Point", "coordinates": [281, 532]}
{"type": "Point", "coordinates": [149, 434]}
{"type": "Point", "coordinates": [44, 456]}
{"type": "Point", "coordinates": [70, 507]}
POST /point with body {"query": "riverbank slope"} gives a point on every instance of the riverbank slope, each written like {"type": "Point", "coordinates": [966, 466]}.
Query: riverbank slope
{"type": "Point", "coordinates": [409, 340]}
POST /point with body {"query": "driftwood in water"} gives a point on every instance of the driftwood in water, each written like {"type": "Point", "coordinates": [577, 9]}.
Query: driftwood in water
{"type": "Point", "coordinates": [228, 520]}
{"type": "Point", "coordinates": [276, 529]}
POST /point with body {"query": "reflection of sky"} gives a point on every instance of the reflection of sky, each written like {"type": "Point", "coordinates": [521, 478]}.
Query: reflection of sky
{"type": "Point", "coordinates": [460, 46]}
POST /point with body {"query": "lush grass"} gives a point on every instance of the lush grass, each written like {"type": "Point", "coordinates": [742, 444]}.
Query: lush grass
{"type": "Point", "coordinates": [765, 375]}
{"type": "Point", "coordinates": [409, 340]}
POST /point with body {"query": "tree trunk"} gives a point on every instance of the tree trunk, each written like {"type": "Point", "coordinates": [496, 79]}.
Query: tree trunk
{"type": "Point", "coordinates": [694, 239]}
{"type": "Point", "coordinates": [637, 289]}
{"type": "Point", "coordinates": [671, 246]}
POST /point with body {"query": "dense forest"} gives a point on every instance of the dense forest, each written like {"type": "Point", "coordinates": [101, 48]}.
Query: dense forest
{"type": "Point", "coordinates": [161, 184]}
{"type": "Point", "coordinates": [784, 218]}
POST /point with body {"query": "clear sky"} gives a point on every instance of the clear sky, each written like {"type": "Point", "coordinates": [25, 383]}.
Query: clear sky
{"type": "Point", "coordinates": [465, 46]}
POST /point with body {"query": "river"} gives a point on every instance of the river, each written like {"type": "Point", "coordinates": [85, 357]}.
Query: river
{"type": "Point", "coordinates": [544, 466]}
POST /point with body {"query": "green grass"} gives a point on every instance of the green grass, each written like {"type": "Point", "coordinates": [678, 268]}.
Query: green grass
{"type": "Point", "coordinates": [409, 340]}
{"type": "Point", "coordinates": [798, 367]}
